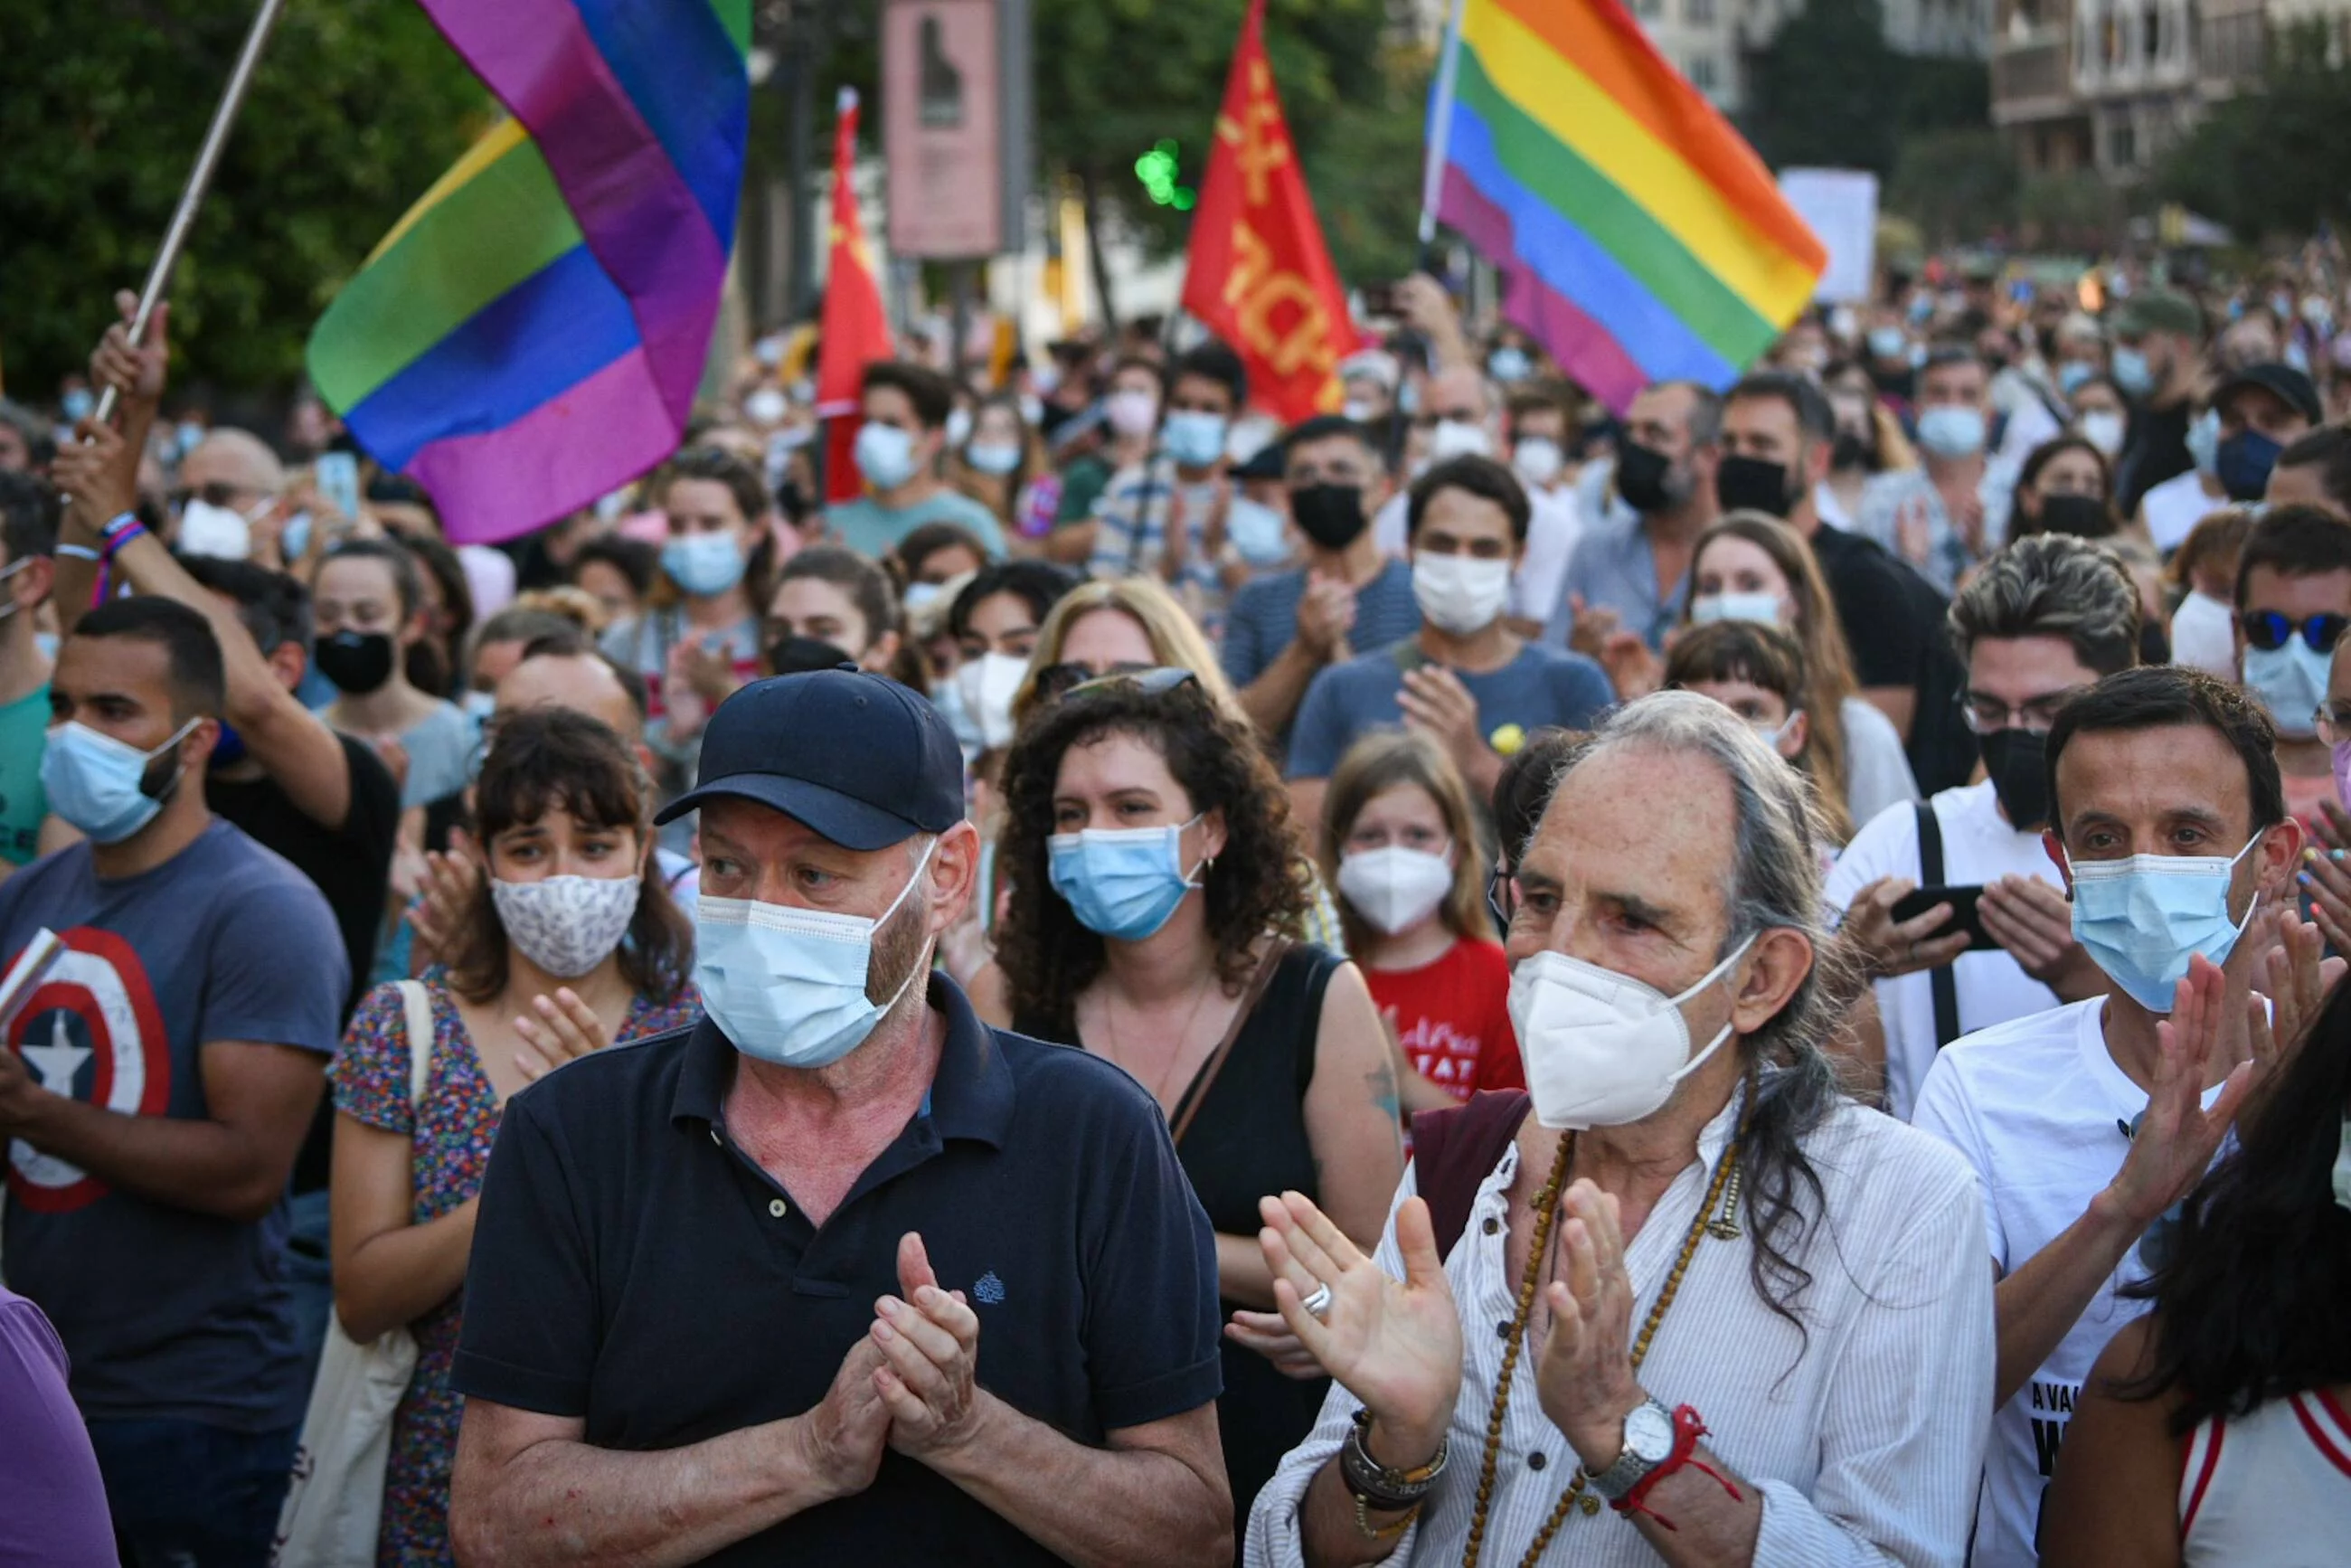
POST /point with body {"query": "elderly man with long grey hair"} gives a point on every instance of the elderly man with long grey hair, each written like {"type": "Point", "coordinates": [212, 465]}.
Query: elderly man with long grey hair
{"type": "Point", "coordinates": [1683, 1298]}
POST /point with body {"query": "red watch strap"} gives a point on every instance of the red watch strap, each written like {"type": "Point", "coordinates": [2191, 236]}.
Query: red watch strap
{"type": "Point", "coordinates": [1687, 1430]}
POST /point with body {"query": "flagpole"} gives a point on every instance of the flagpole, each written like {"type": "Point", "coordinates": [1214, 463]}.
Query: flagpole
{"type": "Point", "coordinates": [1440, 130]}
{"type": "Point", "coordinates": [191, 195]}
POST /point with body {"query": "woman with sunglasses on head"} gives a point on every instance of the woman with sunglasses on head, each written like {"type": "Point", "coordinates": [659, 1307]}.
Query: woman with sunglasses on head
{"type": "Point", "coordinates": [2216, 1429]}
{"type": "Point", "coordinates": [571, 941]}
{"type": "Point", "coordinates": [1401, 846]}
{"type": "Point", "coordinates": [1156, 895]}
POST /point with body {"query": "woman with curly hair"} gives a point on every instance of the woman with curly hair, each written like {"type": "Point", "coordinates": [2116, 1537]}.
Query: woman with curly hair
{"type": "Point", "coordinates": [1157, 898]}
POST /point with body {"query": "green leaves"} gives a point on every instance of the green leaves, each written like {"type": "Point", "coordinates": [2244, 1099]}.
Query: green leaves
{"type": "Point", "coordinates": [356, 108]}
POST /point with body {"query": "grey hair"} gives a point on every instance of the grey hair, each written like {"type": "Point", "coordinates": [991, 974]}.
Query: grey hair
{"type": "Point", "coordinates": [2053, 585]}
{"type": "Point", "coordinates": [1773, 877]}
{"type": "Point", "coordinates": [1705, 412]}
{"type": "Point", "coordinates": [1773, 881]}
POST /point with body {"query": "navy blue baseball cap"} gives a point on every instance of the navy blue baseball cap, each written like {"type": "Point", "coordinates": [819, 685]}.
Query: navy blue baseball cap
{"type": "Point", "coordinates": [857, 756]}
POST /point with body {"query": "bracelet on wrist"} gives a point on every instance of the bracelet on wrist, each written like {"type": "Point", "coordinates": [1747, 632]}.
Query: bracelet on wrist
{"type": "Point", "coordinates": [119, 523]}
{"type": "Point", "coordinates": [1381, 1532]}
{"type": "Point", "coordinates": [1380, 1486]}
{"type": "Point", "coordinates": [1687, 1429]}
{"type": "Point", "coordinates": [116, 538]}
{"type": "Point", "coordinates": [78, 552]}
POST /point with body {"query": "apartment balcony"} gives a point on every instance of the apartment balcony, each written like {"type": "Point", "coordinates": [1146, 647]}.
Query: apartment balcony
{"type": "Point", "coordinates": [2030, 79]}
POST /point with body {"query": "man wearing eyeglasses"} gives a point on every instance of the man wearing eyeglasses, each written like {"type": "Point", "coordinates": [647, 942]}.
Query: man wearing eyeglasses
{"type": "Point", "coordinates": [2293, 598]}
{"type": "Point", "coordinates": [2045, 618]}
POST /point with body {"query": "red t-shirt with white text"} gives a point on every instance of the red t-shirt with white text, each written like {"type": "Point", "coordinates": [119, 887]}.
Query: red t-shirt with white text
{"type": "Point", "coordinates": [1453, 1017]}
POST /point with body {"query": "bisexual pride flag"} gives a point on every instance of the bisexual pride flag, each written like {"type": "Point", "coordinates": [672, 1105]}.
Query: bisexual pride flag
{"type": "Point", "coordinates": [531, 334]}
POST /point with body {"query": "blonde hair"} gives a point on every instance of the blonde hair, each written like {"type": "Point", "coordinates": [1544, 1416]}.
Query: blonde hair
{"type": "Point", "coordinates": [1386, 760]}
{"type": "Point", "coordinates": [1175, 637]}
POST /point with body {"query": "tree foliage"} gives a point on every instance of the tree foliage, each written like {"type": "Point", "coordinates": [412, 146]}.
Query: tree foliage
{"type": "Point", "coordinates": [1829, 91]}
{"type": "Point", "coordinates": [2275, 161]}
{"type": "Point", "coordinates": [356, 108]}
{"type": "Point", "coordinates": [1956, 185]}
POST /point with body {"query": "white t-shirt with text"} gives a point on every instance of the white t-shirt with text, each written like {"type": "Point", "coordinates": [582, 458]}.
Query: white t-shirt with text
{"type": "Point", "coordinates": [2038, 1108]}
{"type": "Point", "coordinates": [1979, 847]}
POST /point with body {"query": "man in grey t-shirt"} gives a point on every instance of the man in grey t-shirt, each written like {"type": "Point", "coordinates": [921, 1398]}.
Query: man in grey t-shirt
{"type": "Point", "coordinates": [155, 1088]}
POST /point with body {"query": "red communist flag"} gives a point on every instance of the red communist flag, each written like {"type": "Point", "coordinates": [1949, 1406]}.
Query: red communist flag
{"type": "Point", "coordinates": [855, 332]}
{"type": "Point", "coordinates": [1258, 274]}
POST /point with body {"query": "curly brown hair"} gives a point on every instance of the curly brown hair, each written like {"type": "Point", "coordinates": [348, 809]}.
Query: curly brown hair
{"type": "Point", "coordinates": [1260, 884]}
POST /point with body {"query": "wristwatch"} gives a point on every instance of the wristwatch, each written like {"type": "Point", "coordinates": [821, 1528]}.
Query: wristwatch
{"type": "Point", "coordinates": [1648, 1443]}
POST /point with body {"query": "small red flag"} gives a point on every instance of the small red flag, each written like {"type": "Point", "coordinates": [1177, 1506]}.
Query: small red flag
{"type": "Point", "coordinates": [1258, 274]}
{"type": "Point", "coordinates": [855, 332]}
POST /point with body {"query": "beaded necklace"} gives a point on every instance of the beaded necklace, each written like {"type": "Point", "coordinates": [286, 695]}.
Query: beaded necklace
{"type": "Point", "coordinates": [1547, 1205]}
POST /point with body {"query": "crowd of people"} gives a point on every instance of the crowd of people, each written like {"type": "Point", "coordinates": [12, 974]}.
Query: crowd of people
{"type": "Point", "coordinates": [1155, 988]}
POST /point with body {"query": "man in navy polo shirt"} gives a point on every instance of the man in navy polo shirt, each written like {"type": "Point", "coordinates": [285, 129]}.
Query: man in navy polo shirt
{"type": "Point", "coordinates": [840, 1274]}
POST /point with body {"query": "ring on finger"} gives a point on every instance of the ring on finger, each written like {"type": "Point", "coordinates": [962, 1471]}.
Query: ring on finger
{"type": "Point", "coordinates": [1317, 1305]}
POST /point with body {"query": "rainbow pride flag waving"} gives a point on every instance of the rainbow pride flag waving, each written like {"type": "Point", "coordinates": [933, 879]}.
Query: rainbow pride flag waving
{"type": "Point", "coordinates": [531, 334]}
{"type": "Point", "coordinates": [1643, 239]}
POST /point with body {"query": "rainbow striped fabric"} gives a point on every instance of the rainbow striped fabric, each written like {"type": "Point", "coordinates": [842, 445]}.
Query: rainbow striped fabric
{"type": "Point", "coordinates": [531, 334]}
{"type": "Point", "coordinates": [1643, 239]}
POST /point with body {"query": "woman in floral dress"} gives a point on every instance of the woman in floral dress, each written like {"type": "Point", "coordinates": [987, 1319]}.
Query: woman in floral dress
{"type": "Point", "coordinates": [571, 941]}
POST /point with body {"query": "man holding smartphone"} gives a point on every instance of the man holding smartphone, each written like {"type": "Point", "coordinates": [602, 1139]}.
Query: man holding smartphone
{"type": "Point", "coordinates": [2047, 617]}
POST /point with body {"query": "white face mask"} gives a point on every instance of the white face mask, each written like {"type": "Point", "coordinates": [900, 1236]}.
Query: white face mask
{"type": "Point", "coordinates": [1459, 438]}
{"type": "Point", "coordinates": [1602, 1049]}
{"type": "Point", "coordinates": [1761, 608]}
{"type": "Point", "coordinates": [1538, 460]}
{"type": "Point", "coordinates": [566, 924]}
{"type": "Point", "coordinates": [766, 406]}
{"type": "Point", "coordinates": [1460, 593]}
{"type": "Point", "coordinates": [207, 529]}
{"type": "Point", "coordinates": [987, 686]}
{"type": "Point", "coordinates": [2103, 428]}
{"type": "Point", "coordinates": [1393, 887]}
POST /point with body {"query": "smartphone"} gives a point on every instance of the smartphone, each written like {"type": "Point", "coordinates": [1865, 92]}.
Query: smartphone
{"type": "Point", "coordinates": [26, 974]}
{"type": "Point", "coordinates": [1964, 914]}
{"type": "Point", "coordinates": [338, 481]}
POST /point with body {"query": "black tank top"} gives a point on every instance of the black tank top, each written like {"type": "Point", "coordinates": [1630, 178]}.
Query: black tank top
{"type": "Point", "coordinates": [1249, 1141]}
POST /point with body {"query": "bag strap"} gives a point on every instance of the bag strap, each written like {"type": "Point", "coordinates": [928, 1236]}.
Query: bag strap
{"type": "Point", "coordinates": [1205, 1080]}
{"type": "Point", "coordinates": [1939, 979]}
{"type": "Point", "coordinates": [1455, 1148]}
{"type": "Point", "coordinates": [416, 1012]}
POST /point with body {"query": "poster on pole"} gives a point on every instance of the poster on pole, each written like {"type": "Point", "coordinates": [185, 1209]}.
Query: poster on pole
{"type": "Point", "coordinates": [1841, 205]}
{"type": "Point", "coordinates": [955, 119]}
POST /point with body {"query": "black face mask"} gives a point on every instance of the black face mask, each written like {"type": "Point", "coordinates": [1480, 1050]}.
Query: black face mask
{"type": "Point", "coordinates": [1851, 450]}
{"type": "Point", "coordinates": [2083, 517]}
{"type": "Point", "coordinates": [798, 655]}
{"type": "Point", "coordinates": [1753, 485]}
{"type": "Point", "coordinates": [1645, 478]}
{"type": "Point", "coordinates": [2017, 760]}
{"type": "Point", "coordinates": [1329, 515]}
{"type": "Point", "coordinates": [357, 663]}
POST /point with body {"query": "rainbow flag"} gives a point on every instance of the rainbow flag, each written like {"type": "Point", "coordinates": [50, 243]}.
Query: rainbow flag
{"type": "Point", "coordinates": [531, 334]}
{"type": "Point", "coordinates": [1644, 241]}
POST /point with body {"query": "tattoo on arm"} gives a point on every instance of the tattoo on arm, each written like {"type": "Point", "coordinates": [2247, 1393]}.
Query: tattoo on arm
{"type": "Point", "coordinates": [1383, 1084]}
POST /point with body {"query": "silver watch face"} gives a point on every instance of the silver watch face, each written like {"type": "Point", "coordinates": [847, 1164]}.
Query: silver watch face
{"type": "Point", "coordinates": [1649, 1432]}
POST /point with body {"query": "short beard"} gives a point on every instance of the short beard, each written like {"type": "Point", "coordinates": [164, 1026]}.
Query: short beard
{"type": "Point", "coordinates": [900, 946]}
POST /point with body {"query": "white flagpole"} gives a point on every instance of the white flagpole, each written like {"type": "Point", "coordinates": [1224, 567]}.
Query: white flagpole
{"type": "Point", "coordinates": [1440, 129]}
{"type": "Point", "coordinates": [191, 195]}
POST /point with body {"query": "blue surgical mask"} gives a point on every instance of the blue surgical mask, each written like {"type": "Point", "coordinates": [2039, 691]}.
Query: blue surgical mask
{"type": "Point", "coordinates": [294, 539]}
{"type": "Point", "coordinates": [920, 596]}
{"type": "Point", "coordinates": [704, 564]}
{"type": "Point", "coordinates": [2133, 374]}
{"type": "Point", "coordinates": [1508, 363]}
{"type": "Point", "coordinates": [1763, 608]}
{"type": "Point", "coordinates": [1194, 438]}
{"type": "Point", "coordinates": [2204, 442]}
{"type": "Point", "coordinates": [2291, 682]}
{"type": "Point", "coordinates": [1887, 342]}
{"type": "Point", "coordinates": [786, 985]}
{"type": "Point", "coordinates": [1258, 531]}
{"type": "Point", "coordinates": [2073, 374]}
{"type": "Point", "coordinates": [93, 780]}
{"type": "Point", "coordinates": [1121, 883]}
{"type": "Point", "coordinates": [1948, 430]}
{"type": "Point", "coordinates": [2243, 464]}
{"type": "Point", "coordinates": [885, 455]}
{"type": "Point", "coordinates": [76, 405]}
{"type": "Point", "coordinates": [2142, 918]}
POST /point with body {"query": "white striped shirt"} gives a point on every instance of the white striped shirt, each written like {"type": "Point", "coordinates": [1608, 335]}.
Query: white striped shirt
{"type": "Point", "coordinates": [1865, 1437]}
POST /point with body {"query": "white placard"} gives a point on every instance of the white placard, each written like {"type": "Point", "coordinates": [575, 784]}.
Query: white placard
{"type": "Point", "coordinates": [1841, 205]}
